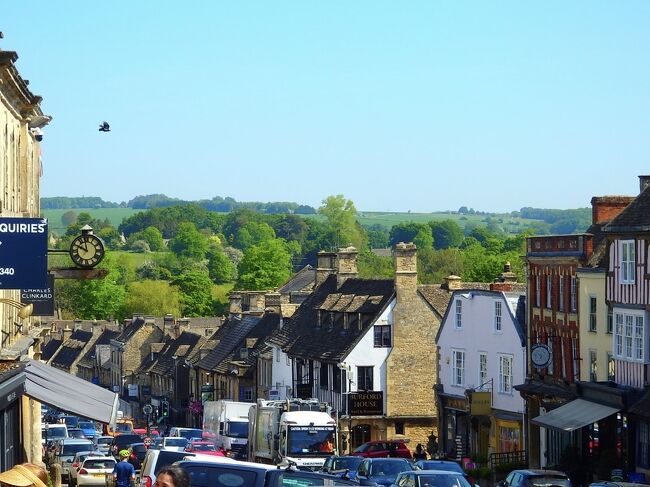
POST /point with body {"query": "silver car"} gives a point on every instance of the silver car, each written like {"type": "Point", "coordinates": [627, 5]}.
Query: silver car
{"type": "Point", "coordinates": [65, 452]}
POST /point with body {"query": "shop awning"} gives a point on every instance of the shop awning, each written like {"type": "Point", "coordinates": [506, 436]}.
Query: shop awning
{"type": "Point", "coordinates": [65, 391]}
{"type": "Point", "coordinates": [574, 415]}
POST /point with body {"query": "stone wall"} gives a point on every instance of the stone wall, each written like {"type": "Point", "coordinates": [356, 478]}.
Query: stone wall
{"type": "Point", "coordinates": [412, 364]}
{"type": "Point", "coordinates": [139, 346]}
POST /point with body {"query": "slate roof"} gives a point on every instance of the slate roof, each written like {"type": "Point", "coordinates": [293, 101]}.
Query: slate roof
{"type": "Point", "coordinates": [132, 328]}
{"type": "Point", "coordinates": [229, 335]}
{"type": "Point", "coordinates": [180, 347]}
{"type": "Point", "coordinates": [50, 348]}
{"type": "Point", "coordinates": [71, 349]}
{"type": "Point", "coordinates": [303, 279]}
{"type": "Point", "coordinates": [267, 325]}
{"type": "Point", "coordinates": [88, 360]}
{"type": "Point", "coordinates": [152, 357]}
{"type": "Point", "coordinates": [439, 296]}
{"type": "Point", "coordinates": [302, 336]}
{"type": "Point", "coordinates": [634, 218]}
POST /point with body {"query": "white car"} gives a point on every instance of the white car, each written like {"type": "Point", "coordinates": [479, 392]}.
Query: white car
{"type": "Point", "coordinates": [94, 470]}
{"type": "Point", "coordinates": [77, 461]}
{"type": "Point", "coordinates": [175, 443]}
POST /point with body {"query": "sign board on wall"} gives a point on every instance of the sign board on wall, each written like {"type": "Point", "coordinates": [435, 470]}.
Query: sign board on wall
{"type": "Point", "coordinates": [41, 298]}
{"type": "Point", "coordinates": [369, 403]}
{"type": "Point", "coordinates": [481, 404]}
{"type": "Point", "coordinates": [23, 253]}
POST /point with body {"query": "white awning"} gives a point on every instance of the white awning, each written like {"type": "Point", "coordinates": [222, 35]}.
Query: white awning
{"type": "Point", "coordinates": [65, 391]}
{"type": "Point", "coordinates": [574, 415]}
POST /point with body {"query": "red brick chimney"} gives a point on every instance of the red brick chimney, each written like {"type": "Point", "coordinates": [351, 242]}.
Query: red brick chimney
{"type": "Point", "coordinates": [606, 208]}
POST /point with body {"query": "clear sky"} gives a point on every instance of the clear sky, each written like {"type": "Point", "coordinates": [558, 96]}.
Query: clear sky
{"type": "Point", "coordinates": [416, 105]}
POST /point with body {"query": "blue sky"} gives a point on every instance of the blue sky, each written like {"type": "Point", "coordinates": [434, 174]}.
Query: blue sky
{"type": "Point", "coordinates": [419, 105]}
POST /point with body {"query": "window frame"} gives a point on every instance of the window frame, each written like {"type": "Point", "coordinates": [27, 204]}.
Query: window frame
{"type": "Point", "coordinates": [538, 291]}
{"type": "Point", "coordinates": [593, 313]}
{"type": "Point", "coordinates": [384, 333]}
{"type": "Point", "coordinates": [549, 292]}
{"type": "Point", "coordinates": [505, 376]}
{"type": "Point", "coordinates": [626, 262]}
{"type": "Point", "coordinates": [629, 336]}
{"type": "Point", "coordinates": [498, 316]}
{"type": "Point", "coordinates": [457, 373]}
{"type": "Point", "coordinates": [482, 368]}
{"type": "Point", "coordinates": [365, 375]}
{"type": "Point", "coordinates": [560, 292]}
{"type": "Point", "coordinates": [574, 293]}
{"type": "Point", "coordinates": [458, 324]}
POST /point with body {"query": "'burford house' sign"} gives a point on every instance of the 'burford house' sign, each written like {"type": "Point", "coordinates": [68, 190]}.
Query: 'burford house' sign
{"type": "Point", "coordinates": [369, 403]}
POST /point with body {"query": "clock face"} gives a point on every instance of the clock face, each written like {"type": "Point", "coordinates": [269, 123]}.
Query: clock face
{"type": "Point", "coordinates": [87, 250]}
{"type": "Point", "coordinates": [540, 355]}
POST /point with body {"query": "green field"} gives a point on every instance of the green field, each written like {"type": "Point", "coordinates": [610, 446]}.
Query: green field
{"type": "Point", "coordinates": [114, 215]}
{"type": "Point", "coordinates": [509, 223]}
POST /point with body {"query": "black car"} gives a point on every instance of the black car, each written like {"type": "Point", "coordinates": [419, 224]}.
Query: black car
{"type": "Point", "coordinates": [123, 442]}
{"type": "Point", "coordinates": [336, 465]}
{"type": "Point", "coordinates": [535, 478]}
{"type": "Point", "coordinates": [431, 478]}
{"type": "Point", "coordinates": [382, 471]}
{"type": "Point", "coordinates": [137, 451]}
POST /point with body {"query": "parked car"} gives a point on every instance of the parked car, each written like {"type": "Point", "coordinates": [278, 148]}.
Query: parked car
{"type": "Point", "coordinates": [137, 451]}
{"type": "Point", "coordinates": [177, 443]}
{"type": "Point", "coordinates": [76, 433]}
{"type": "Point", "coordinates": [431, 478]}
{"type": "Point", "coordinates": [447, 465]}
{"type": "Point", "coordinates": [153, 461]}
{"type": "Point", "coordinates": [383, 449]}
{"type": "Point", "coordinates": [94, 470]}
{"type": "Point", "coordinates": [535, 478]}
{"type": "Point", "coordinates": [382, 471]}
{"type": "Point", "coordinates": [77, 461]}
{"type": "Point", "coordinates": [65, 451]}
{"type": "Point", "coordinates": [223, 472]}
{"type": "Point", "coordinates": [204, 448]}
{"type": "Point", "coordinates": [123, 442]}
{"type": "Point", "coordinates": [337, 465]}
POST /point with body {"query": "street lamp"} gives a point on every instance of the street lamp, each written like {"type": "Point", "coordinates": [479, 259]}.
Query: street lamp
{"type": "Point", "coordinates": [24, 310]}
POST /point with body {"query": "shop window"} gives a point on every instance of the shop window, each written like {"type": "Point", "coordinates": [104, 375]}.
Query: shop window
{"type": "Point", "coordinates": [399, 427]}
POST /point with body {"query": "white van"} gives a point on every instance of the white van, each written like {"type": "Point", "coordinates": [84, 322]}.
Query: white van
{"type": "Point", "coordinates": [188, 433]}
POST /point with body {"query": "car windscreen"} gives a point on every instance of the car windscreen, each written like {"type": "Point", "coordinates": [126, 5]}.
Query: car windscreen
{"type": "Point", "coordinates": [388, 468]}
{"type": "Point", "coordinates": [190, 433]}
{"type": "Point", "coordinates": [441, 480]}
{"type": "Point", "coordinates": [56, 433]}
{"type": "Point", "coordinates": [548, 480]}
{"type": "Point", "coordinates": [237, 429]}
{"type": "Point", "coordinates": [434, 465]}
{"type": "Point", "coordinates": [175, 441]}
{"type": "Point", "coordinates": [100, 463]}
{"type": "Point", "coordinates": [346, 463]}
{"type": "Point", "coordinates": [203, 447]}
{"type": "Point", "coordinates": [72, 450]}
{"type": "Point", "coordinates": [105, 441]}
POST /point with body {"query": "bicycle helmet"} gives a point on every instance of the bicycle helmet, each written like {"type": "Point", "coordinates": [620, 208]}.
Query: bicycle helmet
{"type": "Point", "coordinates": [124, 453]}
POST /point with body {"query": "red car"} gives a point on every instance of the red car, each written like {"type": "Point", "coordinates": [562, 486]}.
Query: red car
{"type": "Point", "coordinates": [383, 449]}
{"type": "Point", "coordinates": [204, 448]}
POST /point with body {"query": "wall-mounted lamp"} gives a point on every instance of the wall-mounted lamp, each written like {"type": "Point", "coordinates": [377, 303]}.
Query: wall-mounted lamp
{"type": "Point", "coordinates": [24, 310]}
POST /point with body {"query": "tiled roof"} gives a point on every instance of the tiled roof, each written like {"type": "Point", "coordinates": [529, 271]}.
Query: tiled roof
{"type": "Point", "coordinates": [88, 359]}
{"type": "Point", "coordinates": [71, 349]}
{"type": "Point", "coordinates": [229, 335]}
{"type": "Point", "coordinates": [151, 358]}
{"type": "Point", "coordinates": [50, 348]}
{"type": "Point", "coordinates": [164, 365]}
{"type": "Point", "coordinates": [130, 329]}
{"type": "Point", "coordinates": [634, 218]}
{"type": "Point", "coordinates": [267, 325]}
{"type": "Point", "coordinates": [438, 296]}
{"type": "Point", "coordinates": [329, 340]}
{"type": "Point", "coordinates": [302, 280]}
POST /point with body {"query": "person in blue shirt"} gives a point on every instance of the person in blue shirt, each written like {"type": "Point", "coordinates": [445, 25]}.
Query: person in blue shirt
{"type": "Point", "coordinates": [123, 473]}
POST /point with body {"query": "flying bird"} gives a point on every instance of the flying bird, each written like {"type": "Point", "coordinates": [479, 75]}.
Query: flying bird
{"type": "Point", "coordinates": [104, 127]}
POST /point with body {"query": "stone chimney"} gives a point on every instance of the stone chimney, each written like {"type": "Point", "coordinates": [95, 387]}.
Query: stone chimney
{"type": "Point", "coordinates": [235, 304]}
{"type": "Point", "coordinates": [605, 208]}
{"type": "Point", "coordinates": [67, 333]}
{"type": "Point", "coordinates": [252, 302]}
{"type": "Point", "coordinates": [346, 264]}
{"type": "Point", "coordinates": [406, 268]}
{"type": "Point", "coordinates": [272, 302]}
{"type": "Point", "coordinates": [644, 182]}
{"type": "Point", "coordinates": [324, 267]}
{"type": "Point", "coordinates": [452, 283]}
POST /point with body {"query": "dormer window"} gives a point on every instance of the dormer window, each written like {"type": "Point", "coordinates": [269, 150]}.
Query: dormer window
{"type": "Point", "coordinates": [243, 353]}
{"type": "Point", "coordinates": [346, 323]}
{"type": "Point", "coordinates": [318, 318]}
{"type": "Point", "coordinates": [626, 261]}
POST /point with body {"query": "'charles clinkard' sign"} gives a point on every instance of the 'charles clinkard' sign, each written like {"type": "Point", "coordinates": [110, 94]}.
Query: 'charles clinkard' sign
{"type": "Point", "coordinates": [370, 403]}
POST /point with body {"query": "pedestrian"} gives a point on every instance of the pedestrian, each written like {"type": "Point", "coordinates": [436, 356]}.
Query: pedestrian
{"type": "Point", "coordinates": [124, 472]}
{"type": "Point", "coordinates": [419, 454]}
{"type": "Point", "coordinates": [172, 476]}
{"type": "Point", "coordinates": [25, 475]}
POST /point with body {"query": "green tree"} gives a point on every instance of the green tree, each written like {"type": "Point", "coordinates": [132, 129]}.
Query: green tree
{"type": "Point", "coordinates": [435, 265]}
{"type": "Point", "coordinates": [407, 231]}
{"type": "Point", "coordinates": [89, 299]}
{"type": "Point", "coordinates": [68, 218]}
{"type": "Point", "coordinates": [423, 239]}
{"type": "Point", "coordinates": [220, 267]}
{"type": "Point", "coordinates": [189, 242]}
{"type": "Point", "coordinates": [373, 266]}
{"type": "Point", "coordinates": [265, 266]}
{"type": "Point", "coordinates": [156, 298]}
{"type": "Point", "coordinates": [195, 293]}
{"type": "Point", "coordinates": [154, 238]}
{"type": "Point", "coordinates": [446, 234]}
{"type": "Point", "coordinates": [111, 237]}
{"type": "Point", "coordinates": [341, 216]}
{"type": "Point", "coordinates": [252, 233]}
